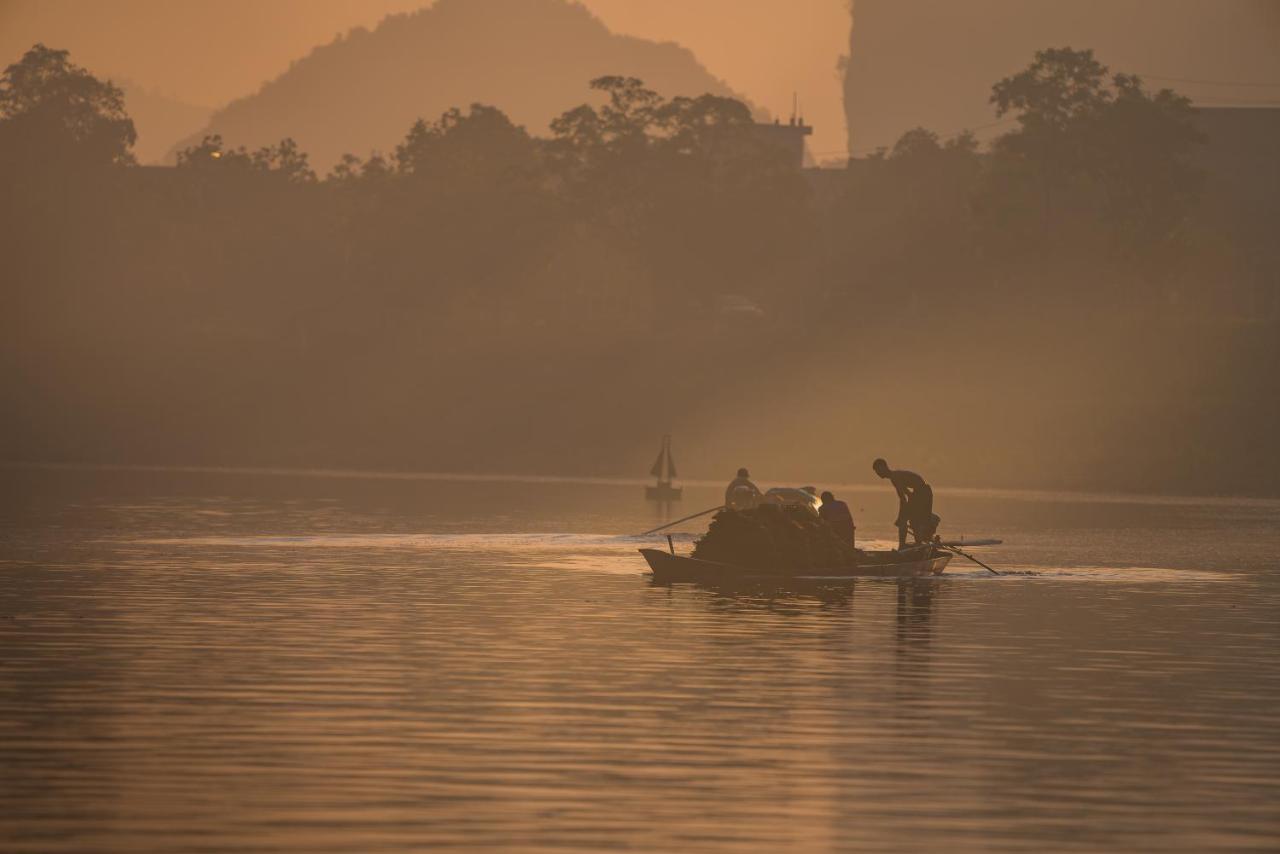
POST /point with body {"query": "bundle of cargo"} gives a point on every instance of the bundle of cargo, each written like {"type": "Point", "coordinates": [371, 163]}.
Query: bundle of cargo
{"type": "Point", "coordinates": [774, 538]}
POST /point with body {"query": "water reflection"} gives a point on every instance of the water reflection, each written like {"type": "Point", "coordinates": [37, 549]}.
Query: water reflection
{"type": "Point", "coordinates": [917, 603]}
{"type": "Point", "coordinates": [914, 604]}
{"type": "Point", "coordinates": [376, 669]}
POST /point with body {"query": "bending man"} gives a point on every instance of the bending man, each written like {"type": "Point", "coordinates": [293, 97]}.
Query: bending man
{"type": "Point", "coordinates": [915, 503]}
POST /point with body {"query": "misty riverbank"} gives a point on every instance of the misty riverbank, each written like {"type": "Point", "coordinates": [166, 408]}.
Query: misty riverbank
{"type": "Point", "coordinates": [160, 472]}
{"type": "Point", "coordinates": [1127, 406]}
{"type": "Point", "coordinates": [489, 300]}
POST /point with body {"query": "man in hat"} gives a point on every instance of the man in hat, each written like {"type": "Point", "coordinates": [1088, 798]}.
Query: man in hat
{"type": "Point", "coordinates": [741, 493]}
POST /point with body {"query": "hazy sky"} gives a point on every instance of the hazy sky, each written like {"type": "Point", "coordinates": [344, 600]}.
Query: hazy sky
{"type": "Point", "coordinates": [211, 52]}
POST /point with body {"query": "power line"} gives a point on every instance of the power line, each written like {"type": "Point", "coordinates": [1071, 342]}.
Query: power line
{"type": "Point", "coordinates": [942, 137]}
{"type": "Point", "coordinates": [1275, 85]}
{"type": "Point", "coordinates": [1222, 102]}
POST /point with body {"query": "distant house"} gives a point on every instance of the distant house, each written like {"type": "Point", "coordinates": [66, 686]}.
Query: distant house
{"type": "Point", "coordinates": [789, 137]}
{"type": "Point", "coordinates": [825, 183]}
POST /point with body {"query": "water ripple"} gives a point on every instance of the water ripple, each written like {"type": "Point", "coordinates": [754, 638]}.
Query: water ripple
{"type": "Point", "coordinates": [246, 677]}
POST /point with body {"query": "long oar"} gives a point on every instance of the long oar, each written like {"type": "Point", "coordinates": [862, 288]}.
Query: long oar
{"type": "Point", "coordinates": [970, 557]}
{"type": "Point", "coordinates": [678, 521]}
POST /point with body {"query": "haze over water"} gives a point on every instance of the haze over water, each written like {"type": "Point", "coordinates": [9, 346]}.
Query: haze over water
{"type": "Point", "coordinates": [235, 662]}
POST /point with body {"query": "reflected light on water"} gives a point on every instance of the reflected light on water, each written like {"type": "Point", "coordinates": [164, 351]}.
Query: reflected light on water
{"type": "Point", "coordinates": [201, 663]}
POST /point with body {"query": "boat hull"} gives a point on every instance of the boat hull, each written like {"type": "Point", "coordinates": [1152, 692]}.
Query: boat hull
{"type": "Point", "coordinates": [663, 492]}
{"type": "Point", "coordinates": [670, 568]}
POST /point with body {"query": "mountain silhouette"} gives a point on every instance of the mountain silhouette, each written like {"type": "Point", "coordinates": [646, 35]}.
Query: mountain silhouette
{"type": "Point", "coordinates": [160, 119]}
{"type": "Point", "coordinates": [530, 58]}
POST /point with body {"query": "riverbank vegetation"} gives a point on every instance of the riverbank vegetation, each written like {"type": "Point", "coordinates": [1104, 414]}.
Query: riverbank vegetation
{"type": "Point", "coordinates": [1055, 309]}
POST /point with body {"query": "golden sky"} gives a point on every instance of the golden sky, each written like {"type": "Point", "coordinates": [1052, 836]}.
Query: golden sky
{"type": "Point", "coordinates": [208, 53]}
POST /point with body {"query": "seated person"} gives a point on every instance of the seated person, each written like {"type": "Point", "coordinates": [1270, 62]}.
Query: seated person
{"type": "Point", "coordinates": [741, 493]}
{"type": "Point", "coordinates": [836, 514]}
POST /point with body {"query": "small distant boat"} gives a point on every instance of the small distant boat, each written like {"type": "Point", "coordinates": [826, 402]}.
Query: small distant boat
{"type": "Point", "coordinates": [919, 562]}
{"type": "Point", "coordinates": [664, 469]}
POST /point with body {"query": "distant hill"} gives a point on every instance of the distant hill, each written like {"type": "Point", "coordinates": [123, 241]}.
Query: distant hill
{"type": "Point", "coordinates": [160, 120]}
{"type": "Point", "coordinates": [531, 58]}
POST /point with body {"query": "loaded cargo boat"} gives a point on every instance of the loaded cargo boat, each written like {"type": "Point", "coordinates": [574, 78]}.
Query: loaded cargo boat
{"type": "Point", "coordinates": [784, 539]}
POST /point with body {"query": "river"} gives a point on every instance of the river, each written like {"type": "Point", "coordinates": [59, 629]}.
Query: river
{"type": "Point", "coordinates": [205, 661]}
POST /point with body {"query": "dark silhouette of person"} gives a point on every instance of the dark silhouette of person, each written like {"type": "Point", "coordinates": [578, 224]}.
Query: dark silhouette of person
{"type": "Point", "coordinates": [915, 503]}
{"type": "Point", "coordinates": [741, 493]}
{"type": "Point", "coordinates": [836, 514]}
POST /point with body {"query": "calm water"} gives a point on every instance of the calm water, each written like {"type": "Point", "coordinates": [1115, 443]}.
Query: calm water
{"type": "Point", "coordinates": [233, 662]}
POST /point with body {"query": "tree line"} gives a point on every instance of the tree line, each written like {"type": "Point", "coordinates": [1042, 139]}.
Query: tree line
{"type": "Point", "coordinates": [1098, 171]}
{"type": "Point", "coordinates": [645, 248]}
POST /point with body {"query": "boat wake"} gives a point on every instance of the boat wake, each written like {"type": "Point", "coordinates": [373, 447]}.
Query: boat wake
{"type": "Point", "coordinates": [1109, 574]}
{"type": "Point", "coordinates": [616, 554]}
{"type": "Point", "coordinates": [462, 542]}
{"type": "Point", "coordinates": [565, 551]}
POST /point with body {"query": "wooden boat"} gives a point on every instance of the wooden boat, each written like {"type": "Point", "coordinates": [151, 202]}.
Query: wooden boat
{"type": "Point", "coordinates": [919, 562]}
{"type": "Point", "coordinates": [664, 469]}
{"type": "Point", "coordinates": [663, 492]}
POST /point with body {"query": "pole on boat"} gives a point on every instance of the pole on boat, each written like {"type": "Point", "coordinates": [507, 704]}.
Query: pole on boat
{"type": "Point", "coordinates": [970, 557]}
{"type": "Point", "coordinates": [678, 521]}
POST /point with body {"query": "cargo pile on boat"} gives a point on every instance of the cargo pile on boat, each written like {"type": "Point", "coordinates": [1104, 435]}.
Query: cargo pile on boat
{"type": "Point", "coordinates": [770, 536]}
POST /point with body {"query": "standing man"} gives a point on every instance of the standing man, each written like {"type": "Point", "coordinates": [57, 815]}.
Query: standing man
{"type": "Point", "coordinates": [915, 503]}
{"type": "Point", "coordinates": [741, 493]}
{"type": "Point", "coordinates": [836, 514]}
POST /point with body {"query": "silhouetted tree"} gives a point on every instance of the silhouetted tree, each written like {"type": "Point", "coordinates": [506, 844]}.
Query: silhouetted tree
{"type": "Point", "coordinates": [284, 159]}
{"type": "Point", "coordinates": [717, 135]}
{"type": "Point", "coordinates": [903, 228]}
{"type": "Point", "coordinates": [54, 111]}
{"type": "Point", "coordinates": [375, 168]}
{"type": "Point", "coordinates": [1093, 147]}
{"type": "Point", "coordinates": [620, 127]}
{"type": "Point", "coordinates": [210, 154]}
{"type": "Point", "coordinates": [483, 295]}
{"type": "Point", "coordinates": [351, 170]}
{"type": "Point", "coordinates": [684, 182]}
{"type": "Point", "coordinates": [920, 146]}
{"type": "Point", "coordinates": [346, 170]}
{"type": "Point", "coordinates": [481, 145]}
